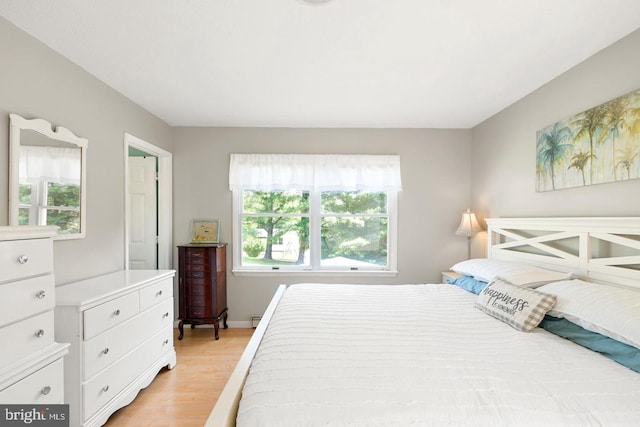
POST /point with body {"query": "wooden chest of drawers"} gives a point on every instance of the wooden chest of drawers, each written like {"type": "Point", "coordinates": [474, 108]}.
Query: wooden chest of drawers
{"type": "Point", "coordinates": [202, 286]}
{"type": "Point", "coordinates": [31, 367]}
{"type": "Point", "coordinates": [120, 326]}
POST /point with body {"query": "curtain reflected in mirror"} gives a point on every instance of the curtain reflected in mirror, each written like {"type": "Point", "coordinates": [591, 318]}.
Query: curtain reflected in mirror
{"type": "Point", "coordinates": [49, 193]}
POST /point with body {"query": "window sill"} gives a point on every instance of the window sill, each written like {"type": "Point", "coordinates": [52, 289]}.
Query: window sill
{"type": "Point", "coordinates": [323, 273]}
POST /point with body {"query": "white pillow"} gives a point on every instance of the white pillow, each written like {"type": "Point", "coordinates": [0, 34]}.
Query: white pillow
{"type": "Point", "coordinates": [522, 308]}
{"type": "Point", "coordinates": [607, 310]}
{"type": "Point", "coordinates": [486, 269]}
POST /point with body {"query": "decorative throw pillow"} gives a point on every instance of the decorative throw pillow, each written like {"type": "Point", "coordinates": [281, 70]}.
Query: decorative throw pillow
{"type": "Point", "coordinates": [521, 308]}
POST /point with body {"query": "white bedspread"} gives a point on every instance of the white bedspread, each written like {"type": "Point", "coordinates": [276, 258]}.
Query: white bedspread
{"type": "Point", "coordinates": [422, 355]}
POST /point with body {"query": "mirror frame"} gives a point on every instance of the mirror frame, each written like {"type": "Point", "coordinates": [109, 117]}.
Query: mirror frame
{"type": "Point", "coordinates": [43, 127]}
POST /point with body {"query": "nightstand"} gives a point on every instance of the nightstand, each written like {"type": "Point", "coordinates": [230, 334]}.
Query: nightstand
{"type": "Point", "coordinates": [448, 275]}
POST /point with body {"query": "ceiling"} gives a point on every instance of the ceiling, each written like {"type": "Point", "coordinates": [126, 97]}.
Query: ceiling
{"type": "Point", "coordinates": [346, 63]}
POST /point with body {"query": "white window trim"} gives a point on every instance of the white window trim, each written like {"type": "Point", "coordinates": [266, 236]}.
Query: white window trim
{"type": "Point", "coordinates": [392, 248]}
{"type": "Point", "coordinates": [315, 173]}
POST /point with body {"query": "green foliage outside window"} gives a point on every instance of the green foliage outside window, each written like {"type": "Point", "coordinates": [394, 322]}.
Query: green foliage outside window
{"type": "Point", "coordinates": [353, 227]}
{"type": "Point", "coordinates": [253, 248]}
{"type": "Point", "coordinates": [62, 207]}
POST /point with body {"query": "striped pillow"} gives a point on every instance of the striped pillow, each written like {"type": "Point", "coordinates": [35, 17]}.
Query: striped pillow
{"type": "Point", "coordinates": [521, 308]}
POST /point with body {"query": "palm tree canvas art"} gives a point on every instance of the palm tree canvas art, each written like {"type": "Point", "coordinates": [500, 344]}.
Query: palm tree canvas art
{"type": "Point", "coordinates": [596, 146]}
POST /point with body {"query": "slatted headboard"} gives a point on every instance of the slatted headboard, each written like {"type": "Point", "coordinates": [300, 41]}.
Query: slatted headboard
{"type": "Point", "coordinates": [603, 250]}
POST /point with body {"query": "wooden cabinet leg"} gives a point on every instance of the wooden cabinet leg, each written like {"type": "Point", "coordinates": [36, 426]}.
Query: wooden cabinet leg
{"type": "Point", "coordinates": [216, 328]}
{"type": "Point", "coordinates": [181, 329]}
{"type": "Point", "coordinates": [224, 321]}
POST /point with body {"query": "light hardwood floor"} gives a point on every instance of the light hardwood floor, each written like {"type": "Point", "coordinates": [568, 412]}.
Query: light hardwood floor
{"type": "Point", "coordinates": [184, 395]}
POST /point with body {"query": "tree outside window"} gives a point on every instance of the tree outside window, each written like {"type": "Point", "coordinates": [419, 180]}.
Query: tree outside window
{"type": "Point", "coordinates": [50, 203]}
{"type": "Point", "coordinates": [347, 229]}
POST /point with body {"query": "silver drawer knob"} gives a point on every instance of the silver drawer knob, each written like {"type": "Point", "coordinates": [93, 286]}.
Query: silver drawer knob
{"type": "Point", "coordinates": [158, 293]}
{"type": "Point", "coordinates": [165, 315]}
{"type": "Point", "coordinates": [41, 294]}
{"type": "Point", "coordinates": [117, 312]}
{"type": "Point", "coordinates": [22, 259]}
{"type": "Point", "coordinates": [40, 333]}
{"type": "Point", "coordinates": [45, 390]}
{"type": "Point", "coordinates": [105, 388]}
{"type": "Point", "coordinates": [105, 351]}
{"type": "Point", "coordinates": [165, 342]}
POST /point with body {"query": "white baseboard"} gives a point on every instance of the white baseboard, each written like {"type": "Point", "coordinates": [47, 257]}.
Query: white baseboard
{"type": "Point", "coordinates": [244, 324]}
{"type": "Point", "coordinates": [239, 323]}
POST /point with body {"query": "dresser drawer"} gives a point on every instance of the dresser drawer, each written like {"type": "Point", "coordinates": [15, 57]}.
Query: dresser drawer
{"type": "Point", "coordinates": [196, 263]}
{"type": "Point", "coordinates": [198, 312]}
{"type": "Point", "coordinates": [197, 301]}
{"type": "Point", "coordinates": [198, 267]}
{"type": "Point", "coordinates": [25, 258]}
{"type": "Point", "coordinates": [45, 386]}
{"type": "Point", "coordinates": [196, 255]}
{"type": "Point", "coordinates": [153, 294]}
{"type": "Point", "coordinates": [198, 275]}
{"type": "Point", "coordinates": [110, 314]}
{"type": "Point", "coordinates": [24, 298]}
{"type": "Point", "coordinates": [26, 337]}
{"type": "Point", "coordinates": [107, 384]}
{"type": "Point", "coordinates": [197, 287]}
{"type": "Point", "coordinates": [106, 348]}
{"type": "Point", "coordinates": [198, 283]}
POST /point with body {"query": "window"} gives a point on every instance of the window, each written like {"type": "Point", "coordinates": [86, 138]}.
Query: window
{"type": "Point", "coordinates": [49, 187]}
{"type": "Point", "coordinates": [275, 228]}
{"type": "Point", "coordinates": [44, 202]}
{"type": "Point", "coordinates": [314, 212]}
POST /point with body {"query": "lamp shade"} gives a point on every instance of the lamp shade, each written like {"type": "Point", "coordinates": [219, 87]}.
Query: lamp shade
{"type": "Point", "coordinates": [468, 225]}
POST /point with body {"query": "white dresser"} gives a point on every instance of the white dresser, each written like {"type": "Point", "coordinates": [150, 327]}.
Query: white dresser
{"type": "Point", "coordinates": [31, 368]}
{"type": "Point", "coordinates": [120, 327]}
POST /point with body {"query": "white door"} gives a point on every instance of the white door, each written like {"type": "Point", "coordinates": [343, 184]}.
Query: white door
{"type": "Point", "coordinates": [142, 213]}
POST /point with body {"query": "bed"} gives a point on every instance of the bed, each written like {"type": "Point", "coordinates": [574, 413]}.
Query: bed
{"type": "Point", "coordinates": [429, 354]}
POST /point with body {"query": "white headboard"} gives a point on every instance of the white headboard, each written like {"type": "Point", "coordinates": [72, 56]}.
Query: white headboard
{"type": "Point", "coordinates": [603, 250]}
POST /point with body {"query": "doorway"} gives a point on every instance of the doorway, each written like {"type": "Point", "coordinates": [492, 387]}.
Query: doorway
{"type": "Point", "coordinates": [148, 205]}
{"type": "Point", "coordinates": [143, 211]}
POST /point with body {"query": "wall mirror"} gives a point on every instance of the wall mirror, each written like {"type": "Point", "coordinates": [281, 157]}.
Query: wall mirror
{"type": "Point", "coordinates": [47, 174]}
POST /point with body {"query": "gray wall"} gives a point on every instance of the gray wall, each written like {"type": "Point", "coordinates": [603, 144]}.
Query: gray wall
{"type": "Point", "coordinates": [436, 190]}
{"type": "Point", "coordinates": [37, 82]}
{"type": "Point", "coordinates": [492, 165]}
{"type": "Point", "coordinates": [504, 147]}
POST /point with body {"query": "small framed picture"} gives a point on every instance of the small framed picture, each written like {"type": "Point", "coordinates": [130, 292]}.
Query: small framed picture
{"type": "Point", "coordinates": [205, 230]}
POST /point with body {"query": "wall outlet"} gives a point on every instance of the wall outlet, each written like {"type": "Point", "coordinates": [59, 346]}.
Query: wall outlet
{"type": "Point", "coordinates": [255, 320]}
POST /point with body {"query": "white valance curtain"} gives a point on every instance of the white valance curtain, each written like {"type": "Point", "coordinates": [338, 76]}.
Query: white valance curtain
{"type": "Point", "coordinates": [54, 164]}
{"type": "Point", "coordinates": [320, 172]}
